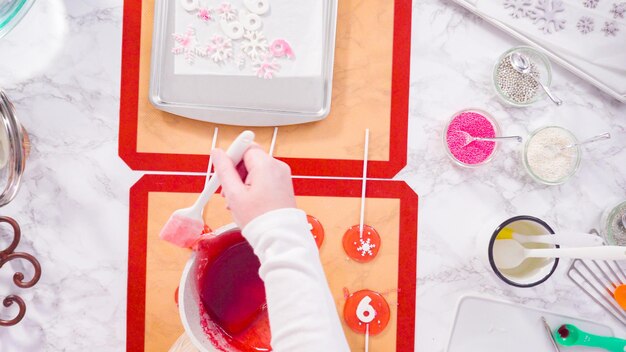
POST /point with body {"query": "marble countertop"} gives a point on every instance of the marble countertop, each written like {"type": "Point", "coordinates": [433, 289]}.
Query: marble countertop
{"type": "Point", "coordinates": [73, 206]}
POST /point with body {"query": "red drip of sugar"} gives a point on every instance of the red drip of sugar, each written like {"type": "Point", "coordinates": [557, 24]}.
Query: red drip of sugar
{"type": "Point", "coordinates": [232, 294]}
{"type": "Point", "coordinates": [476, 125]}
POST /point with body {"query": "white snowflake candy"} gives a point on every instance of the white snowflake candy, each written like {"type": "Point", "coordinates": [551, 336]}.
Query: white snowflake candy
{"type": "Point", "coordinates": [592, 4]}
{"type": "Point", "coordinates": [519, 8]}
{"type": "Point", "coordinates": [365, 247]}
{"type": "Point", "coordinates": [266, 67]}
{"type": "Point", "coordinates": [220, 49]}
{"type": "Point", "coordinates": [187, 45]}
{"type": "Point", "coordinates": [585, 25]}
{"type": "Point", "coordinates": [227, 11]}
{"type": "Point", "coordinates": [619, 10]}
{"type": "Point", "coordinates": [254, 44]}
{"type": "Point", "coordinates": [545, 15]}
{"type": "Point", "coordinates": [610, 28]}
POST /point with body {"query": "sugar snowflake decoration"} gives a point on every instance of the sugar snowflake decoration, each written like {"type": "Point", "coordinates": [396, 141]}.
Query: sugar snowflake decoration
{"type": "Point", "coordinates": [610, 28]}
{"type": "Point", "coordinates": [619, 10]}
{"type": "Point", "coordinates": [585, 25]}
{"type": "Point", "coordinates": [187, 45]}
{"type": "Point", "coordinates": [546, 14]}
{"type": "Point", "coordinates": [266, 67]}
{"type": "Point", "coordinates": [227, 11]}
{"type": "Point", "coordinates": [519, 8]}
{"type": "Point", "coordinates": [365, 247]}
{"type": "Point", "coordinates": [591, 4]}
{"type": "Point", "coordinates": [220, 49]}
{"type": "Point", "coordinates": [254, 44]}
{"type": "Point", "coordinates": [205, 14]}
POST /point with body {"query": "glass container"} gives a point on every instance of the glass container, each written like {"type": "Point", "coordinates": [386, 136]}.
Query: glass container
{"type": "Point", "coordinates": [542, 65]}
{"type": "Point", "coordinates": [493, 122]}
{"type": "Point", "coordinates": [575, 152]}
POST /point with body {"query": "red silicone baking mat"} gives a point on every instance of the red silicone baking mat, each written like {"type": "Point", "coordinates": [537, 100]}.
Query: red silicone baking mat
{"type": "Point", "coordinates": [370, 90]}
{"type": "Point", "coordinates": [155, 266]}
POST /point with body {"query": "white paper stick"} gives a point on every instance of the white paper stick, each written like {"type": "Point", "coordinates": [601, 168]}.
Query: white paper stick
{"type": "Point", "coordinates": [273, 144]}
{"type": "Point", "coordinates": [210, 166]}
{"type": "Point", "coordinates": [365, 155]}
{"type": "Point", "coordinates": [367, 337]}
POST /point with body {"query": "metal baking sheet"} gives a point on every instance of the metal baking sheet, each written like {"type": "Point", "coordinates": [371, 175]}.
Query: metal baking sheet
{"type": "Point", "coordinates": [239, 99]}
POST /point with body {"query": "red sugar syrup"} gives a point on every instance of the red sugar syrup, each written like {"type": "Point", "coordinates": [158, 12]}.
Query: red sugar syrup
{"type": "Point", "coordinates": [232, 295]}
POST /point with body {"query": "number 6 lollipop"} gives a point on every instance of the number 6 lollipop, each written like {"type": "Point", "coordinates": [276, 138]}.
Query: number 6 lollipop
{"type": "Point", "coordinates": [366, 312]}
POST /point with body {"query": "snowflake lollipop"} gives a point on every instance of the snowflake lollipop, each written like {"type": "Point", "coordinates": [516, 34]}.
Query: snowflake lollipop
{"type": "Point", "coordinates": [546, 13]}
{"type": "Point", "coordinates": [187, 45]}
{"type": "Point", "coordinates": [519, 8]}
{"type": "Point", "coordinates": [618, 10]}
{"type": "Point", "coordinates": [220, 49]}
{"type": "Point", "coordinates": [610, 28]}
{"type": "Point", "coordinates": [585, 25]}
{"type": "Point", "coordinates": [254, 44]}
{"type": "Point", "coordinates": [266, 67]}
{"type": "Point", "coordinates": [591, 4]}
{"type": "Point", "coordinates": [227, 12]}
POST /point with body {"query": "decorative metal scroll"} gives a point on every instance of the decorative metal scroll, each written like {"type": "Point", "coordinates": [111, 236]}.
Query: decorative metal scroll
{"type": "Point", "coordinates": [8, 255]}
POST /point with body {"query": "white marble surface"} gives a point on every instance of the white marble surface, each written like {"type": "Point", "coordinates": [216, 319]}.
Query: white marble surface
{"type": "Point", "coordinates": [74, 203]}
{"type": "Point", "coordinates": [453, 53]}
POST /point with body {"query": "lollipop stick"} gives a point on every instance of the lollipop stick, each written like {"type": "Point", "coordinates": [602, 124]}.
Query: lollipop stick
{"type": "Point", "coordinates": [273, 144]}
{"type": "Point", "coordinates": [365, 155]}
{"type": "Point", "coordinates": [367, 337]}
{"type": "Point", "coordinates": [210, 166]}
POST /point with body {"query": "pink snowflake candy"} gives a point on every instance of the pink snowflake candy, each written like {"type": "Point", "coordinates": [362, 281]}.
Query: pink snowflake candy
{"type": "Point", "coordinates": [281, 48]}
{"type": "Point", "coordinates": [267, 67]}
{"type": "Point", "coordinates": [205, 14]}
{"type": "Point", "coordinates": [220, 49]}
{"type": "Point", "coordinates": [186, 44]}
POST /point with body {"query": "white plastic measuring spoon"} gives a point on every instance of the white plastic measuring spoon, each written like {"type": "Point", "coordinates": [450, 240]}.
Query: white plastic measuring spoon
{"type": "Point", "coordinates": [509, 254]}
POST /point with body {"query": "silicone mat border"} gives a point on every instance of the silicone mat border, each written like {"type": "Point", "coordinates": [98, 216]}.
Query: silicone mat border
{"type": "Point", "coordinates": [138, 230]}
{"type": "Point", "coordinates": [129, 95]}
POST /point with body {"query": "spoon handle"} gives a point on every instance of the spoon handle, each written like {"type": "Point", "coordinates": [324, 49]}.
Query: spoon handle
{"type": "Point", "coordinates": [517, 138]}
{"type": "Point", "coordinates": [608, 343]}
{"type": "Point", "coordinates": [556, 100]}
{"type": "Point", "coordinates": [599, 253]}
{"type": "Point", "coordinates": [600, 137]}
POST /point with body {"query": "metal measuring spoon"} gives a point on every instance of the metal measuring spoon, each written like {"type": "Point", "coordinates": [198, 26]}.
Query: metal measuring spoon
{"type": "Point", "coordinates": [469, 138]}
{"type": "Point", "coordinates": [521, 64]}
{"type": "Point", "coordinates": [599, 137]}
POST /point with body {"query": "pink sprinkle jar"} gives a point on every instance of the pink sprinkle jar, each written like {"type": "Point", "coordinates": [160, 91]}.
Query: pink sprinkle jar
{"type": "Point", "coordinates": [477, 123]}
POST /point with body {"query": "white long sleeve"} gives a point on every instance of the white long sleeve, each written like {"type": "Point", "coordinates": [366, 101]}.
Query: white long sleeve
{"type": "Point", "coordinates": [301, 309]}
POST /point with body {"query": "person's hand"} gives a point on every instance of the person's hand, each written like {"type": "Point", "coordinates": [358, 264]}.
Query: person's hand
{"type": "Point", "coordinates": [267, 186]}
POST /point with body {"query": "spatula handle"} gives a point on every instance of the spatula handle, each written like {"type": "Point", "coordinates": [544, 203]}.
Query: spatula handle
{"type": "Point", "coordinates": [599, 253]}
{"type": "Point", "coordinates": [235, 153]}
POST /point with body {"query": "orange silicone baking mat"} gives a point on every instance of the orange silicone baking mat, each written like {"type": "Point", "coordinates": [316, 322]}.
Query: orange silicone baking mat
{"type": "Point", "coordinates": [155, 266]}
{"type": "Point", "coordinates": [370, 90]}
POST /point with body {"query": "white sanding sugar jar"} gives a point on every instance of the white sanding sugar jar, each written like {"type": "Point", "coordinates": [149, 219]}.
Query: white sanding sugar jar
{"type": "Point", "coordinates": [549, 155]}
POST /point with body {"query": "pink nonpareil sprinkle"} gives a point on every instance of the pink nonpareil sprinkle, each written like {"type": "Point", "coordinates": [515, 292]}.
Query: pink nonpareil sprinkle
{"type": "Point", "coordinates": [476, 125]}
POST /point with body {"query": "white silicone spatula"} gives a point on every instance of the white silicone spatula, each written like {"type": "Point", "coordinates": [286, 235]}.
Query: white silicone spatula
{"type": "Point", "coordinates": [185, 225]}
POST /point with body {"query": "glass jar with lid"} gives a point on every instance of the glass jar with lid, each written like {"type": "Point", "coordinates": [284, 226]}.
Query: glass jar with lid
{"type": "Point", "coordinates": [14, 148]}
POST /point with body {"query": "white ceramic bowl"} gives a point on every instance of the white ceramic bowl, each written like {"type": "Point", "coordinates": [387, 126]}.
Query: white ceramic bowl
{"type": "Point", "coordinates": [533, 271]}
{"type": "Point", "coordinates": [189, 302]}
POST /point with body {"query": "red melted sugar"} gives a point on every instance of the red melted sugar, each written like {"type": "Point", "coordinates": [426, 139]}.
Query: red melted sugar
{"type": "Point", "coordinates": [232, 294]}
